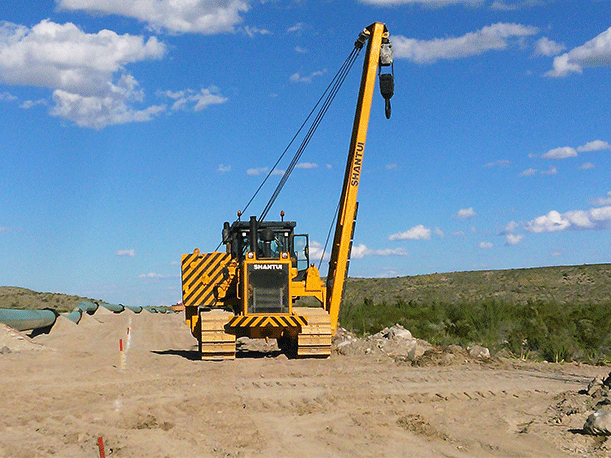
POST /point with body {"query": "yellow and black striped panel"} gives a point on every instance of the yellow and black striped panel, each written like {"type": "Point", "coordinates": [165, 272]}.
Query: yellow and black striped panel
{"type": "Point", "coordinates": [256, 321]}
{"type": "Point", "coordinates": [200, 274]}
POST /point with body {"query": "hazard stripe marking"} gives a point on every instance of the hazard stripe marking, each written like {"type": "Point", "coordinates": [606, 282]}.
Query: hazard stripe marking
{"type": "Point", "coordinates": [201, 273]}
{"type": "Point", "coordinates": [267, 321]}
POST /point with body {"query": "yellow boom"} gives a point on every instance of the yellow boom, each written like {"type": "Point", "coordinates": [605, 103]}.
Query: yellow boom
{"type": "Point", "coordinates": [342, 242]}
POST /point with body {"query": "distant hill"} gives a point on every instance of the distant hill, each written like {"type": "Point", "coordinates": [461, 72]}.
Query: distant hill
{"type": "Point", "coordinates": [563, 284]}
{"type": "Point", "coordinates": [13, 297]}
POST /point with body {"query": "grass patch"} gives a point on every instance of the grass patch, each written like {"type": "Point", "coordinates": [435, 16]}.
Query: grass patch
{"type": "Point", "coordinates": [538, 329]}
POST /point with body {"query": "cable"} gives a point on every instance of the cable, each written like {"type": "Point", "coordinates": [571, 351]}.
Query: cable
{"type": "Point", "coordinates": [332, 91]}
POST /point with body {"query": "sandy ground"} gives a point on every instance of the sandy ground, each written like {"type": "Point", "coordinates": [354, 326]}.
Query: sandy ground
{"type": "Point", "coordinates": [60, 392]}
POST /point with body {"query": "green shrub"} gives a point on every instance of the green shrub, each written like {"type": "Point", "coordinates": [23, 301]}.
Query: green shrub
{"type": "Point", "coordinates": [537, 329]}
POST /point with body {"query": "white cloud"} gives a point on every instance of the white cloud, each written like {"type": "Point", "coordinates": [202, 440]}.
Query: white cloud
{"type": "Point", "coordinates": [297, 78]}
{"type": "Point", "coordinates": [546, 47]}
{"type": "Point", "coordinates": [316, 252]}
{"type": "Point", "coordinates": [465, 213]}
{"type": "Point", "coordinates": [298, 28]}
{"type": "Point", "coordinates": [360, 251]}
{"type": "Point", "coordinates": [601, 201]}
{"type": "Point", "coordinates": [485, 245]}
{"type": "Point", "coordinates": [32, 103]}
{"type": "Point", "coordinates": [208, 17]}
{"type": "Point", "coordinates": [306, 165]}
{"type": "Point", "coordinates": [257, 171]}
{"type": "Point", "coordinates": [155, 275]}
{"type": "Point", "coordinates": [513, 239]}
{"type": "Point", "coordinates": [551, 171]}
{"type": "Point", "coordinates": [131, 253]}
{"type": "Point", "coordinates": [5, 96]}
{"type": "Point", "coordinates": [418, 232]}
{"type": "Point", "coordinates": [503, 163]}
{"type": "Point", "coordinates": [224, 168]}
{"type": "Point", "coordinates": [439, 233]}
{"type": "Point", "coordinates": [527, 172]}
{"type": "Point", "coordinates": [596, 145]}
{"type": "Point", "coordinates": [492, 37]}
{"type": "Point", "coordinates": [510, 228]}
{"type": "Point", "coordinates": [252, 31]}
{"type": "Point", "coordinates": [86, 71]}
{"type": "Point", "coordinates": [435, 3]}
{"type": "Point", "coordinates": [194, 100]}
{"type": "Point", "coordinates": [593, 219]}
{"type": "Point", "coordinates": [594, 53]}
{"type": "Point", "coordinates": [560, 153]}
{"type": "Point", "coordinates": [586, 166]}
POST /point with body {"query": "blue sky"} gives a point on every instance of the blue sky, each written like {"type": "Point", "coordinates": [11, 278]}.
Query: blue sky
{"type": "Point", "coordinates": [131, 130]}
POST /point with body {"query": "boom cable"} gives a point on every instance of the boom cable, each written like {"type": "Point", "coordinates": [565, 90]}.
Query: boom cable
{"type": "Point", "coordinates": [324, 102]}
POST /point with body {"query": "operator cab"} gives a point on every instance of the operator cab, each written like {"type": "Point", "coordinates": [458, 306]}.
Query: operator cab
{"type": "Point", "coordinates": [268, 240]}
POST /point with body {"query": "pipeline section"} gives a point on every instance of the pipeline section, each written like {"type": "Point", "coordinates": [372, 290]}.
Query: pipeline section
{"type": "Point", "coordinates": [26, 320]}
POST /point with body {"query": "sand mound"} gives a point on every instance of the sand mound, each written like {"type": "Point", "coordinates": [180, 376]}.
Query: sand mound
{"type": "Point", "coordinates": [12, 340]}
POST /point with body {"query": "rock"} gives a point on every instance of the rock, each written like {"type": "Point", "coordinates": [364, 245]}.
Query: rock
{"type": "Point", "coordinates": [595, 385]}
{"type": "Point", "coordinates": [5, 350]}
{"type": "Point", "coordinates": [599, 423]}
{"type": "Point", "coordinates": [479, 352]}
{"type": "Point", "coordinates": [398, 332]}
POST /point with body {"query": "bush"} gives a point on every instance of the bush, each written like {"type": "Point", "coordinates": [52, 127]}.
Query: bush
{"type": "Point", "coordinates": [539, 329]}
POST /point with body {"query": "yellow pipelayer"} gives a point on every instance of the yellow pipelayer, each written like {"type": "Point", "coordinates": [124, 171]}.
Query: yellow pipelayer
{"type": "Point", "coordinates": [250, 289]}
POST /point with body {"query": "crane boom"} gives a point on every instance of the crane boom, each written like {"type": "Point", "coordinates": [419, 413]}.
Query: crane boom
{"type": "Point", "coordinates": [342, 243]}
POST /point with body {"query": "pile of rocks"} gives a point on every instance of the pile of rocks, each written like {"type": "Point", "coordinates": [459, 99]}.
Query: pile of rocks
{"type": "Point", "coordinates": [599, 423]}
{"type": "Point", "coordinates": [398, 343]}
{"type": "Point", "coordinates": [395, 341]}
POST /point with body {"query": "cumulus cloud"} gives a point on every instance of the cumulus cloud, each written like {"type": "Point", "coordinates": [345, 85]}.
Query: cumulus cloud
{"type": "Point", "coordinates": [208, 17]}
{"type": "Point", "coordinates": [554, 221]}
{"type": "Point", "coordinates": [550, 171]}
{"type": "Point", "coordinates": [485, 245]}
{"type": "Point", "coordinates": [418, 232]}
{"type": "Point", "coordinates": [601, 201]}
{"type": "Point", "coordinates": [510, 228]}
{"type": "Point", "coordinates": [527, 172]}
{"type": "Point", "coordinates": [565, 152]}
{"type": "Point", "coordinates": [224, 168]}
{"type": "Point", "coordinates": [503, 163]}
{"type": "Point", "coordinates": [307, 79]}
{"type": "Point", "coordinates": [155, 275]}
{"type": "Point", "coordinates": [86, 71]}
{"type": "Point", "coordinates": [435, 3]}
{"type": "Point", "coordinates": [586, 166]}
{"type": "Point", "coordinates": [360, 251]}
{"type": "Point", "coordinates": [306, 165]}
{"type": "Point", "coordinates": [596, 145]}
{"type": "Point", "coordinates": [257, 171]}
{"type": "Point", "coordinates": [465, 213]}
{"type": "Point", "coordinates": [560, 153]}
{"type": "Point", "coordinates": [594, 53]}
{"type": "Point", "coordinates": [546, 47]}
{"type": "Point", "coordinates": [7, 97]}
{"type": "Point", "coordinates": [190, 99]}
{"type": "Point", "coordinates": [493, 37]}
{"type": "Point", "coordinates": [130, 253]}
{"type": "Point", "coordinates": [513, 239]}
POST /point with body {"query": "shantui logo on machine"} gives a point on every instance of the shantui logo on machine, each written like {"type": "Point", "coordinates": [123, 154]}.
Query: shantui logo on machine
{"type": "Point", "coordinates": [358, 160]}
{"type": "Point", "coordinates": [267, 266]}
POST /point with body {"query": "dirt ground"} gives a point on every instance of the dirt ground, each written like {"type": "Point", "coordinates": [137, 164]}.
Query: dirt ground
{"type": "Point", "coordinates": [60, 392]}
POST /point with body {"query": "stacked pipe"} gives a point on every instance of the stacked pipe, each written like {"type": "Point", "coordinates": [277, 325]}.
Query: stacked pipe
{"type": "Point", "coordinates": [26, 320]}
